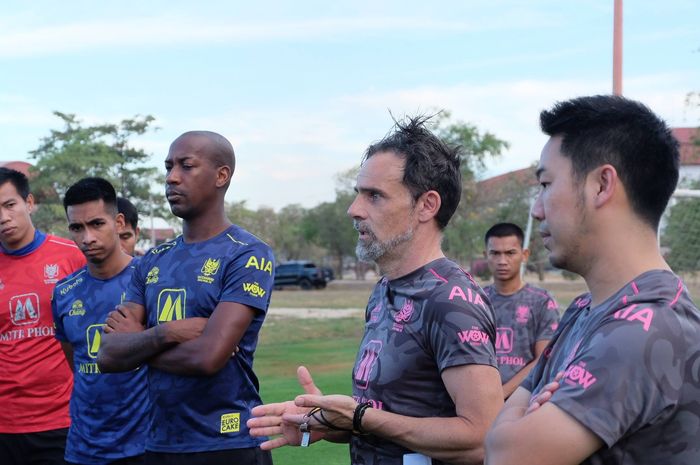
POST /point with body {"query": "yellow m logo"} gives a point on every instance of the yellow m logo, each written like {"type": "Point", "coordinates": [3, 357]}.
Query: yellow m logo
{"type": "Point", "coordinates": [94, 338]}
{"type": "Point", "coordinates": [172, 304]}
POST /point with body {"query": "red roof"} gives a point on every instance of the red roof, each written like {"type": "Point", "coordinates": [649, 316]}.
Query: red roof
{"type": "Point", "coordinates": [492, 187]}
{"type": "Point", "coordinates": [21, 166]}
{"type": "Point", "coordinates": [689, 140]}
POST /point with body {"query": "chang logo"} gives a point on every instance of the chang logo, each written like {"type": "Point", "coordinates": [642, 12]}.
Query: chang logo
{"type": "Point", "coordinates": [209, 269]}
{"type": "Point", "coordinates": [77, 309]}
{"type": "Point", "coordinates": [94, 338]}
{"type": "Point", "coordinates": [152, 276]}
{"type": "Point", "coordinates": [171, 305]}
{"type": "Point", "coordinates": [254, 289]}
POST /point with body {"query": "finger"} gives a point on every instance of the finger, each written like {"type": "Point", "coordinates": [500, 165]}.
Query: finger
{"type": "Point", "coordinates": [268, 431]}
{"type": "Point", "coordinates": [307, 400]}
{"type": "Point", "coordinates": [533, 406]}
{"type": "Point", "coordinates": [559, 376]}
{"type": "Point", "coordinates": [297, 418]}
{"type": "Point", "coordinates": [274, 443]}
{"type": "Point", "coordinates": [268, 409]}
{"type": "Point", "coordinates": [111, 323]}
{"type": "Point", "coordinates": [107, 329]}
{"type": "Point", "coordinates": [307, 382]}
{"type": "Point", "coordinates": [261, 422]}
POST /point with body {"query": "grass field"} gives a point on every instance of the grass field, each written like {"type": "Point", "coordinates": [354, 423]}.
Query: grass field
{"type": "Point", "coordinates": [327, 346]}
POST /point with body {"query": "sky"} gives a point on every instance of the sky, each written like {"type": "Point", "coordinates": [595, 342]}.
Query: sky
{"type": "Point", "coordinates": [301, 88]}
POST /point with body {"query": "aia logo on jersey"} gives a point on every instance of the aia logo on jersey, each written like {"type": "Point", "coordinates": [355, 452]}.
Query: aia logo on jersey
{"type": "Point", "coordinates": [94, 338]}
{"type": "Point", "coordinates": [522, 314]}
{"type": "Point", "coordinates": [504, 340]}
{"type": "Point", "coordinates": [51, 273]}
{"type": "Point", "coordinates": [24, 309]}
{"type": "Point", "coordinates": [171, 305]}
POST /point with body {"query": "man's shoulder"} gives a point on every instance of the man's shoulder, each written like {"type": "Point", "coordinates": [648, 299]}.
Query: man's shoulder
{"type": "Point", "coordinates": [70, 282]}
{"type": "Point", "coordinates": [60, 243]}
{"type": "Point", "coordinates": [240, 238]}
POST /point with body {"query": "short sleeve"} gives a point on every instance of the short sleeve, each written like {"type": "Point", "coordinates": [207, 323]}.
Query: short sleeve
{"type": "Point", "coordinates": [461, 328]}
{"type": "Point", "coordinates": [625, 375]}
{"type": "Point", "coordinates": [249, 278]}
{"type": "Point", "coordinates": [548, 319]}
{"type": "Point", "coordinates": [57, 320]}
{"type": "Point", "coordinates": [136, 290]}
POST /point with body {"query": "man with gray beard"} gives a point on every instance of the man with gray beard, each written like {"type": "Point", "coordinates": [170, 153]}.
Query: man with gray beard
{"type": "Point", "coordinates": [425, 383]}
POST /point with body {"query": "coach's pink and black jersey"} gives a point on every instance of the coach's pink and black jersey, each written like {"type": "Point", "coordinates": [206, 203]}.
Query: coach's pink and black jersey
{"type": "Point", "coordinates": [632, 372]}
{"type": "Point", "coordinates": [181, 280]}
{"type": "Point", "coordinates": [35, 380]}
{"type": "Point", "coordinates": [416, 326]}
{"type": "Point", "coordinates": [522, 319]}
{"type": "Point", "coordinates": [109, 411]}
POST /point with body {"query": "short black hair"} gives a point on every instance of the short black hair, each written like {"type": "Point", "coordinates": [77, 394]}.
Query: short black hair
{"type": "Point", "coordinates": [17, 179]}
{"type": "Point", "coordinates": [131, 214]}
{"type": "Point", "coordinates": [505, 230]}
{"type": "Point", "coordinates": [430, 164]}
{"type": "Point", "coordinates": [91, 189]}
{"type": "Point", "coordinates": [604, 129]}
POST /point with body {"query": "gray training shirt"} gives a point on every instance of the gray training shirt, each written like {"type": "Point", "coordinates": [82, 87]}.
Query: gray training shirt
{"type": "Point", "coordinates": [522, 319]}
{"type": "Point", "coordinates": [632, 372]}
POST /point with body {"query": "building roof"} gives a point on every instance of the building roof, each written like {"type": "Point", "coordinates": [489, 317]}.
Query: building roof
{"type": "Point", "coordinates": [689, 140]}
{"type": "Point", "coordinates": [21, 166]}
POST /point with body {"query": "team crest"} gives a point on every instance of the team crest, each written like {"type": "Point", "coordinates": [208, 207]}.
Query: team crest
{"type": "Point", "coordinates": [152, 276]}
{"type": "Point", "coordinates": [51, 273]}
{"type": "Point", "coordinates": [209, 269]}
{"type": "Point", "coordinates": [522, 314]}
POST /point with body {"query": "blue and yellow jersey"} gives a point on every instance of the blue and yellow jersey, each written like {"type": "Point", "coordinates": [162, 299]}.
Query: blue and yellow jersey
{"type": "Point", "coordinates": [181, 280]}
{"type": "Point", "coordinates": [109, 411]}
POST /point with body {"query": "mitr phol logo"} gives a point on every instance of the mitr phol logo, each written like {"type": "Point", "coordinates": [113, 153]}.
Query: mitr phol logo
{"type": "Point", "coordinates": [24, 309]}
{"type": "Point", "coordinates": [94, 338]}
{"type": "Point", "coordinates": [171, 305]}
{"type": "Point", "coordinates": [504, 340]}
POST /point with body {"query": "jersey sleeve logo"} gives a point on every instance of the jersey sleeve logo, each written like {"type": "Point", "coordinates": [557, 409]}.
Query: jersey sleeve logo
{"type": "Point", "coordinates": [260, 264]}
{"type": "Point", "coordinates": [254, 289]}
{"type": "Point", "coordinates": [171, 305]}
{"type": "Point", "coordinates": [94, 339]}
{"type": "Point", "coordinates": [152, 276]}
{"type": "Point", "coordinates": [77, 309]}
{"type": "Point", "coordinates": [209, 269]}
{"type": "Point", "coordinates": [24, 309]}
{"type": "Point", "coordinates": [230, 423]}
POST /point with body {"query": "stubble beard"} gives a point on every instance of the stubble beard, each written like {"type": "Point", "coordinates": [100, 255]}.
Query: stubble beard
{"type": "Point", "coordinates": [372, 249]}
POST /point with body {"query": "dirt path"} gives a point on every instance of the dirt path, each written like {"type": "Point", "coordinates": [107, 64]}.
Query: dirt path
{"type": "Point", "coordinates": [282, 312]}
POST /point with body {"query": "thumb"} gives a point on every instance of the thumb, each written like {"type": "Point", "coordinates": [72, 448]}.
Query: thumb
{"type": "Point", "coordinates": [306, 382]}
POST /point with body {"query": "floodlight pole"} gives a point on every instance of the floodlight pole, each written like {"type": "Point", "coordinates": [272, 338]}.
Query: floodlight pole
{"type": "Point", "coordinates": [617, 49]}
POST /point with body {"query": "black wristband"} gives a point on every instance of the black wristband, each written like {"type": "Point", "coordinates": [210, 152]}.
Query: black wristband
{"type": "Point", "coordinates": [357, 416]}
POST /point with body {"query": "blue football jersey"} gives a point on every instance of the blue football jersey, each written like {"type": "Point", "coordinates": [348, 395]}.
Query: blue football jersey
{"type": "Point", "coordinates": [109, 411]}
{"type": "Point", "coordinates": [181, 280]}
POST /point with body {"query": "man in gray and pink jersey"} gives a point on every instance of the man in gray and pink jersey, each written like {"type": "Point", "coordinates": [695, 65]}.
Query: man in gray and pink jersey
{"type": "Point", "coordinates": [619, 382]}
{"type": "Point", "coordinates": [425, 382]}
{"type": "Point", "coordinates": [526, 316]}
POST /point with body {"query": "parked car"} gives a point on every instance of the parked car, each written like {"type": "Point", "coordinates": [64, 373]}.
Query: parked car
{"type": "Point", "coordinates": [302, 273]}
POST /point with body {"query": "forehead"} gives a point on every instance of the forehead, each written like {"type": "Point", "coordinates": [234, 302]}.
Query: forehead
{"type": "Point", "coordinates": [88, 211]}
{"type": "Point", "coordinates": [503, 243]}
{"type": "Point", "coordinates": [8, 190]}
{"type": "Point", "coordinates": [381, 169]}
{"type": "Point", "coordinates": [190, 146]}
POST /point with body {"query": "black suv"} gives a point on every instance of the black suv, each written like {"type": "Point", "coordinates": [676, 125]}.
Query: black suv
{"type": "Point", "coordinates": [300, 273]}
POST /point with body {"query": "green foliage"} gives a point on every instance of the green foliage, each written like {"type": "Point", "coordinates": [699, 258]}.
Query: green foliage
{"type": "Point", "coordinates": [681, 236]}
{"type": "Point", "coordinates": [77, 151]}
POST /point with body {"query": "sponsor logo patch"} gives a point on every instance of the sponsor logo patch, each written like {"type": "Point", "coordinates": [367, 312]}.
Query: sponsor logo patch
{"type": "Point", "coordinates": [171, 305]}
{"type": "Point", "coordinates": [24, 309]}
{"type": "Point", "coordinates": [94, 339]}
{"type": "Point", "coordinates": [77, 309]}
{"type": "Point", "coordinates": [230, 423]}
{"type": "Point", "coordinates": [152, 276]}
{"type": "Point", "coordinates": [209, 269]}
{"type": "Point", "coordinates": [254, 289]}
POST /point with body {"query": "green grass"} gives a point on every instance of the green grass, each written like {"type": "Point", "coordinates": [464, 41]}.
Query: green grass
{"type": "Point", "coordinates": [327, 347]}
{"type": "Point", "coordinates": [338, 294]}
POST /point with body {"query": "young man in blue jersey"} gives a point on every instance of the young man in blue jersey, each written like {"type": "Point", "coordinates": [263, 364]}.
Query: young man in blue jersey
{"type": "Point", "coordinates": [129, 233]}
{"type": "Point", "coordinates": [108, 411]}
{"type": "Point", "coordinates": [201, 395]}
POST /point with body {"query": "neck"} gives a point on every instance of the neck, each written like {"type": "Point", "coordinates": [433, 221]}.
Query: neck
{"type": "Point", "coordinates": [408, 257]}
{"type": "Point", "coordinates": [111, 266]}
{"type": "Point", "coordinates": [620, 259]}
{"type": "Point", "coordinates": [204, 227]}
{"type": "Point", "coordinates": [510, 286]}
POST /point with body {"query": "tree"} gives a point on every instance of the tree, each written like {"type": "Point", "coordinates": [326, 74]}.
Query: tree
{"type": "Point", "coordinates": [77, 151]}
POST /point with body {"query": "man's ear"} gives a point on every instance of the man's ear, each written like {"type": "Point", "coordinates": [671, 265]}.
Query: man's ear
{"type": "Point", "coordinates": [604, 183]}
{"type": "Point", "coordinates": [223, 175]}
{"type": "Point", "coordinates": [429, 204]}
{"type": "Point", "coordinates": [121, 222]}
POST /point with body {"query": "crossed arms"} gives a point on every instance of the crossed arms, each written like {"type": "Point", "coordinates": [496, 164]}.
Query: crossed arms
{"type": "Point", "coordinates": [192, 346]}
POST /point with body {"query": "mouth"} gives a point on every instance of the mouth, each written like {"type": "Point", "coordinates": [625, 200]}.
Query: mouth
{"type": "Point", "coordinates": [173, 196]}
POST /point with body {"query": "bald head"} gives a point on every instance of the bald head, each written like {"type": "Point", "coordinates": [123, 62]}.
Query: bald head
{"type": "Point", "coordinates": [211, 144]}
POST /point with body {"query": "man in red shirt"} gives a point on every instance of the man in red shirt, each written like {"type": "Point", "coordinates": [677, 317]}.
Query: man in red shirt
{"type": "Point", "coordinates": [35, 380]}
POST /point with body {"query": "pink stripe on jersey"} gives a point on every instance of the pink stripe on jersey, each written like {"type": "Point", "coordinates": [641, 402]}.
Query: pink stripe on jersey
{"type": "Point", "coordinates": [678, 294]}
{"type": "Point", "coordinates": [435, 273]}
{"type": "Point", "coordinates": [635, 288]}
